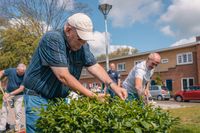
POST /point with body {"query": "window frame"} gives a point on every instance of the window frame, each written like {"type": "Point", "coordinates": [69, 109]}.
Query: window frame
{"type": "Point", "coordinates": [123, 63]}
{"type": "Point", "coordinates": [187, 80]}
{"type": "Point", "coordinates": [184, 56]}
{"type": "Point", "coordinates": [164, 61]}
{"type": "Point", "coordinates": [84, 72]}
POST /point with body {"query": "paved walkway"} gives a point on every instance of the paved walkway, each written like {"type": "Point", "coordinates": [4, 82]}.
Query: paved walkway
{"type": "Point", "coordinates": [171, 104]}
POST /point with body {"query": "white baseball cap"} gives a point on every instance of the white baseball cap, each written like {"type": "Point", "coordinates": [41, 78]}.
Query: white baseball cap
{"type": "Point", "coordinates": [83, 25]}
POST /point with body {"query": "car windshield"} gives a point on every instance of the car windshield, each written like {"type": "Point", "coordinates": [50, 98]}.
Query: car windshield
{"type": "Point", "coordinates": [164, 88]}
{"type": "Point", "coordinates": [194, 88]}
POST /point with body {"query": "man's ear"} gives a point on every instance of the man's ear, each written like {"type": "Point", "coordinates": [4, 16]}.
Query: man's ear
{"type": "Point", "coordinates": [67, 28]}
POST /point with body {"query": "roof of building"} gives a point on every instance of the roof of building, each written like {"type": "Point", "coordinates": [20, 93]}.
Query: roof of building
{"type": "Point", "coordinates": [157, 50]}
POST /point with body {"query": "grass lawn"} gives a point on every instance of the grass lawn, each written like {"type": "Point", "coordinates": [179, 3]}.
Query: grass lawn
{"type": "Point", "coordinates": [189, 119]}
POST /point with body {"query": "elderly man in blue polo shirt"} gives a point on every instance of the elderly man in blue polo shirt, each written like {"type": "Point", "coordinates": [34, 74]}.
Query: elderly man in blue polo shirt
{"type": "Point", "coordinates": [14, 91]}
{"type": "Point", "coordinates": [56, 66]}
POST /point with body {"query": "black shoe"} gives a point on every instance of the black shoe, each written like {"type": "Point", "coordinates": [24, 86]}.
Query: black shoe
{"type": "Point", "coordinates": [7, 126]}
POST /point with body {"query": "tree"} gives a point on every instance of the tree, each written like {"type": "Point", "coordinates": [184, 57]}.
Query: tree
{"type": "Point", "coordinates": [3, 22]}
{"type": "Point", "coordinates": [119, 53]}
{"type": "Point", "coordinates": [23, 22]}
{"type": "Point", "coordinates": [158, 80]}
{"type": "Point", "coordinates": [17, 45]}
{"type": "Point", "coordinates": [43, 15]}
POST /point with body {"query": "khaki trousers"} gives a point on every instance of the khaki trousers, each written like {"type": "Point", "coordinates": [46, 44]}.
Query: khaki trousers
{"type": "Point", "coordinates": [18, 100]}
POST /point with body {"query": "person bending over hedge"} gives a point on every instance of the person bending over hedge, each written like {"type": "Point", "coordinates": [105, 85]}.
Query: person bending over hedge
{"type": "Point", "coordinates": [138, 80]}
{"type": "Point", "coordinates": [56, 67]}
{"type": "Point", "coordinates": [14, 92]}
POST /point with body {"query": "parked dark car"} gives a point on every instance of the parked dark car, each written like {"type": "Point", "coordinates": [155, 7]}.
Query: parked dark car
{"type": "Point", "coordinates": [159, 92]}
{"type": "Point", "coordinates": [190, 93]}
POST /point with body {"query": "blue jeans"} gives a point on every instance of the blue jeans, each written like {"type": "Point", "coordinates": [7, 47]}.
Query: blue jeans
{"type": "Point", "coordinates": [111, 92]}
{"type": "Point", "coordinates": [32, 102]}
{"type": "Point", "coordinates": [132, 96]}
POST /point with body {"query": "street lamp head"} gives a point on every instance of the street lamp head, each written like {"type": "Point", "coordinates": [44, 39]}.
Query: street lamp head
{"type": "Point", "coordinates": [105, 8]}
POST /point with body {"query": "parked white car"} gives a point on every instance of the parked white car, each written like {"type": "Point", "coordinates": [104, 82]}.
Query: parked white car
{"type": "Point", "coordinates": [159, 92]}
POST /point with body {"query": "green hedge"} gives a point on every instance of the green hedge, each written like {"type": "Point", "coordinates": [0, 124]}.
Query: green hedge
{"type": "Point", "coordinates": [113, 116]}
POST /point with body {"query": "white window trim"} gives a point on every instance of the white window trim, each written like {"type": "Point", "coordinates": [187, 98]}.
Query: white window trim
{"type": "Point", "coordinates": [122, 64]}
{"type": "Point", "coordinates": [187, 81]}
{"type": "Point", "coordinates": [85, 85]}
{"type": "Point", "coordinates": [84, 71]}
{"type": "Point", "coordinates": [164, 61]}
{"type": "Point", "coordinates": [183, 63]}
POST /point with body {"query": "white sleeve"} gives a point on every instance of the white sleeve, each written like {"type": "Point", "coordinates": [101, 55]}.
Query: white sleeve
{"type": "Point", "coordinates": [139, 73]}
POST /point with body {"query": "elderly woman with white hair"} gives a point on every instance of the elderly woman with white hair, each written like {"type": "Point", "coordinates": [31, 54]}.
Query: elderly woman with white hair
{"type": "Point", "coordinates": [14, 91]}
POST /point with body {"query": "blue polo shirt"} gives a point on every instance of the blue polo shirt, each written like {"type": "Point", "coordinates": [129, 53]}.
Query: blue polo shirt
{"type": "Point", "coordinates": [114, 75]}
{"type": "Point", "coordinates": [14, 80]}
{"type": "Point", "coordinates": [53, 50]}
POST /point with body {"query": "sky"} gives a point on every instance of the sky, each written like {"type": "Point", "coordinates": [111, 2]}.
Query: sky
{"type": "Point", "coordinates": [146, 25]}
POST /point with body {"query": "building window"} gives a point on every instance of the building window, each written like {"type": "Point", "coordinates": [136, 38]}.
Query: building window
{"type": "Point", "coordinates": [137, 61]}
{"type": "Point", "coordinates": [184, 58]}
{"type": "Point", "coordinates": [84, 71]}
{"type": "Point", "coordinates": [85, 85]}
{"type": "Point", "coordinates": [164, 61]}
{"type": "Point", "coordinates": [121, 67]}
{"type": "Point", "coordinates": [186, 82]}
{"type": "Point", "coordinates": [104, 66]}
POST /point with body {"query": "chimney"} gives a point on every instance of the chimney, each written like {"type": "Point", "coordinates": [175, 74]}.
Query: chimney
{"type": "Point", "coordinates": [197, 38]}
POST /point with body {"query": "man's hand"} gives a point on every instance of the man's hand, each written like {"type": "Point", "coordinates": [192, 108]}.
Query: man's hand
{"type": "Point", "coordinates": [146, 100]}
{"type": "Point", "coordinates": [121, 92]}
{"type": "Point", "coordinates": [6, 96]}
{"type": "Point", "coordinates": [101, 97]}
{"type": "Point", "coordinates": [140, 92]}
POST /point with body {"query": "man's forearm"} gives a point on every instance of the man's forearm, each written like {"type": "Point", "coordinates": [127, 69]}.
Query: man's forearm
{"type": "Point", "coordinates": [140, 91]}
{"type": "Point", "coordinates": [69, 80]}
{"type": "Point", "coordinates": [119, 82]}
{"type": "Point", "coordinates": [74, 84]}
{"type": "Point", "coordinates": [17, 91]}
{"type": "Point", "coordinates": [98, 71]}
{"type": "Point", "coordinates": [1, 74]}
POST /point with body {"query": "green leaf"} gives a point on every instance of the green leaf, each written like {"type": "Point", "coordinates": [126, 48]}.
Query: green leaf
{"type": "Point", "coordinates": [137, 130]}
{"type": "Point", "coordinates": [78, 131]}
{"type": "Point", "coordinates": [128, 124]}
{"type": "Point", "coordinates": [145, 125]}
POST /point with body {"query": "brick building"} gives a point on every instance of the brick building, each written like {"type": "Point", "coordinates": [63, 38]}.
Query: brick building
{"type": "Point", "coordinates": [179, 67]}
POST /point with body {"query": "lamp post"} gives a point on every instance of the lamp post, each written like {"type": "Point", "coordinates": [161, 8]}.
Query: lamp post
{"type": "Point", "coordinates": [105, 8]}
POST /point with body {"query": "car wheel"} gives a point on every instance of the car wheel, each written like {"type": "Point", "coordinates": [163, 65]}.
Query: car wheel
{"type": "Point", "coordinates": [179, 99]}
{"type": "Point", "coordinates": [159, 98]}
